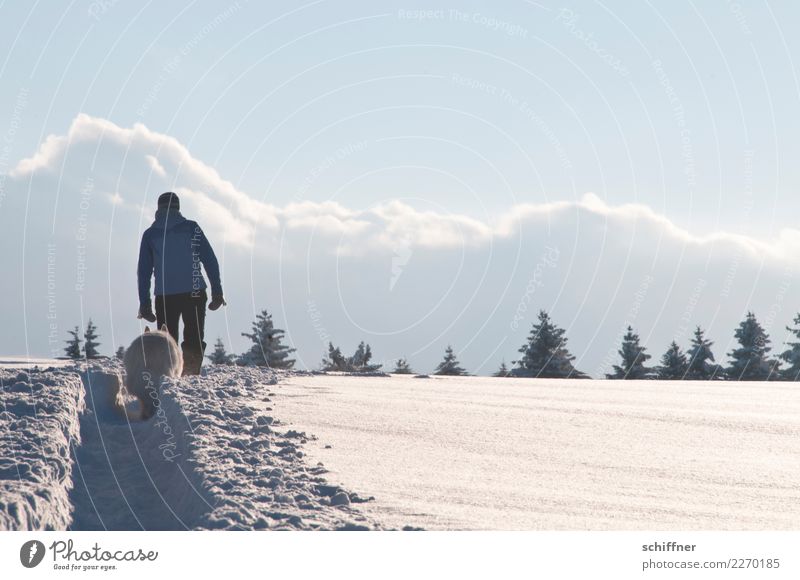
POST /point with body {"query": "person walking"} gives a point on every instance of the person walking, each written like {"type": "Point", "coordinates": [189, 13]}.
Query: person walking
{"type": "Point", "coordinates": [174, 248]}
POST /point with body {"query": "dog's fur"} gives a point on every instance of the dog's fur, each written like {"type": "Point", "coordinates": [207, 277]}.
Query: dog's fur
{"type": "Point", "coordinates": [105, 395]}
{"type": "Point", "coordinates": [149, 358]}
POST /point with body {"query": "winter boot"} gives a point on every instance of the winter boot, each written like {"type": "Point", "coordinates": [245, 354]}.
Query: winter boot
{"type": "Point", "coordinates": [192, 358]}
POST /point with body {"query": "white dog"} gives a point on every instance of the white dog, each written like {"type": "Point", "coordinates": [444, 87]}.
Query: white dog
{"type": "Point", "coordinates": [149, 358]}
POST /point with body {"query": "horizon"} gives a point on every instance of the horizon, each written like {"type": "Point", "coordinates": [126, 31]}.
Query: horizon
{"type": "Point", "coordinates": [387, 366]}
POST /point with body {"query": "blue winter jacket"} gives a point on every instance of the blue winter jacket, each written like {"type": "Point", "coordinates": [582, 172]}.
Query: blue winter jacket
{"type": "Point", "coordinates": [174, 247]}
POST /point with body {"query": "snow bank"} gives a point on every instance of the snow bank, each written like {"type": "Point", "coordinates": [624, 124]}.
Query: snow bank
{"type": "Point", "coordinates": [212, 457]}
{"type": "Point", "coordinates": [252, 470]}
{"type": "Point", "coordinates": [133, 475]}
{"type": "Point", "coordinates": [39, 422]}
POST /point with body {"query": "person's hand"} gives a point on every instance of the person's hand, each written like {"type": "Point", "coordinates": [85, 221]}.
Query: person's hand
{"type": "Point", "coordinates": [216, 301]}
{"type": "Point", "coordinates": [146, 312]}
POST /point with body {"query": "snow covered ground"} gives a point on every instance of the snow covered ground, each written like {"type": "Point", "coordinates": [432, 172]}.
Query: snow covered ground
{"type": "Point", "coordinates": [39, 421]}
{"type": "Point", "coordinates": [238, 448]}
{"type": "Point", "coordinates": [26, 362]}
{"type": "Point", "coordinates": [213, 457]}
{"type": "Point", "coordinates": [484, 453]}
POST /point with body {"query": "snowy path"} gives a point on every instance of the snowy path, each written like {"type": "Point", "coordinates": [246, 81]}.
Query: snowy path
{"type": "Point", "coordinates": [124, 480]}
{"type": "Point", "coordinates": [483, 453]}
{"type": "Point", "coordinates": [213, 457]}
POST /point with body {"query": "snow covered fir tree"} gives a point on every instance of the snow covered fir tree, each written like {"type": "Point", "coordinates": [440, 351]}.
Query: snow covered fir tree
{"type": "Point", "coordinates": [360, 360]}
{"type": "Point", "coordinates": [450, 365]}
{"type": "Point", "coordinates": [545, 354]}
{"type": "Point", "coordinates": [791, 356]}
{"type": "Point", "coordinates": [219, 356]}
{"type": "Point", "coordinates": [633, 357]}
{"type": "Point", "coordinates": [335, 360]}
{"type": "Point", "coordinates": [73, 348]}
{"type": "Point", "coordinates": [358, 363]}
{"type": "Point", "coordinates": [401, 367]}
{"type": "Point", "coordinates": [702, 366]}
{"type": "Point", "coordinates": [503, 371]}
{"type": "Point", "coordinates": [90, 343]}
{"type": "Point", "coordinates": [751, 362]}
{"type": "Point", "coordinates": [674, 363]}
{"type": "Point", "coordinates": [267, 349]}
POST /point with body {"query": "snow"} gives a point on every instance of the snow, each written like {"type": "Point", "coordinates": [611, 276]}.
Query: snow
{"type": "Point", "coordinates": [250, 448]}
{"type": "Point", "coordinates": [27, 362]}
{"type": "Point", "coordinates": [213, 456]}
{"type": "Point", "coordinates": [133, 475]}
{"type": "Point", "coordinates": [252, 467]}
{"type": "Point", "coordinates": [39, 418]}
{"type": "Point", "coordinates": [499, 453]}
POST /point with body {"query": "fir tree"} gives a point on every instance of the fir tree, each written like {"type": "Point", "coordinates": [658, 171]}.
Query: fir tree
{"type": "Point", "coordinates": [633, 358]}
{"type": "Point", "coordinates": [502, 371]}
{"type": "Point", "coordinates": [90, 343]}
{"type": "Point", "coordinates": [545, 355]}
{"type": "Point", "coordinates": [220, 356]}
{"type": "Point", "coordinates": [402, 367]}
{"type": "Point", "coordinates": [450, 365]}
{"type": "Point", "coordinates": [335, 361]}
{"type": "Point", "coordinates": [750, 361]}
{"type": "Point", "coordinates": [701, 360]}
{"type": "Point", "coordinates": [358, 363]}
{"type": "Point", "coordinates": [120, 354]}
{"type": "Point", "coordinates": [73, 348]}
{"type": "Point", "coordinates": [791, 355]}
{"type": "Point", "coordinates": [361, 357]}
{"type": "Point", "coordinates": [268, 349]}
{"type": "Point", "coordinates": [673, 364]}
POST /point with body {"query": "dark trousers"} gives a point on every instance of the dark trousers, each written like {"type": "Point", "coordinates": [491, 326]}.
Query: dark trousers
{"type": "Point", "coordinates": [191, 307]}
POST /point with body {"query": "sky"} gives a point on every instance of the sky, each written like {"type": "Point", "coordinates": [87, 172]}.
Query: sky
{"type": "Point", "coordinates": [409, 174]}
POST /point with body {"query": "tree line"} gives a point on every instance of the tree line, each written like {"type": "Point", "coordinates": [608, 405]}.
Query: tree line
{"type": "Point", "coordinates": [86, 347]}
{"type": "Point", "coordinates": [267, 348]}
{"type": "Point", "coordinates": [543, 355]}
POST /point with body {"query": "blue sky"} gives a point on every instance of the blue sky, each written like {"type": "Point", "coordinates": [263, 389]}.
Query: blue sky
{"type": "Point", "coordinates": [460, 114]}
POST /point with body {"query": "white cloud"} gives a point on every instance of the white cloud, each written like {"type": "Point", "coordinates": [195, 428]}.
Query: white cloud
{"type": "Point", "coordinates": [483, 273]}
{"type": "Point", "coordinates": [157, 168]}
{"type": "Point", "coordinates": [215, 216]}
{"type": "Point", "coordinates": [238, 217]}
{"type": "Point", "coordinates": [52, 148]}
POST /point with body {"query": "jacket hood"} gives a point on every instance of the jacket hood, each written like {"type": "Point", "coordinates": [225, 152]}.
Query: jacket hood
{"type": "Point", "coordinates": [166, 219]}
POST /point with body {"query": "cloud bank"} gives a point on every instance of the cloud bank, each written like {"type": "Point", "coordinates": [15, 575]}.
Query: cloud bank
{"type": "Point", "coordinates": [241, 219]}
{"type": "Point", "coordinates": [409, 280]}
